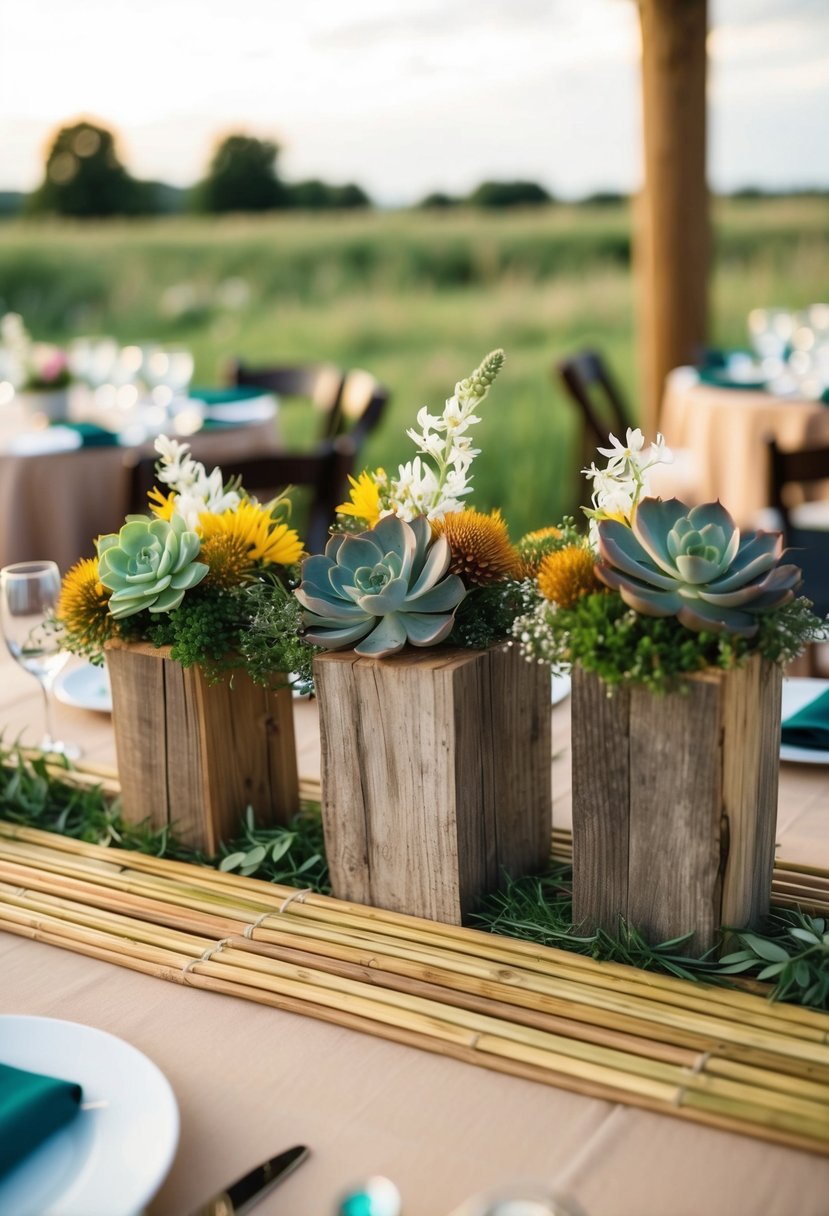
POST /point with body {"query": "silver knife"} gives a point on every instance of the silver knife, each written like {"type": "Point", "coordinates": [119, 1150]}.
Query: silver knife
{"type": "Point", "coordinates": [253, 1186]}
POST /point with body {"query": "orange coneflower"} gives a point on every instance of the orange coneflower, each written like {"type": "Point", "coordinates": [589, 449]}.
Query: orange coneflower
{"type": "Point", "coordinates": [567, 574]}
{"type": "Point", "coordinates": [482, 551]}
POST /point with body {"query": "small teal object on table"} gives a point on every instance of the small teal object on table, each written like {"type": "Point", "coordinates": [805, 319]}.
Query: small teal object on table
{"type": "Point", "coordinates": [376, 1196]}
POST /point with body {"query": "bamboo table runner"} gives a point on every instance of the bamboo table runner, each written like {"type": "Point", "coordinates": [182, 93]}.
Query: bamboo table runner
{"type": "Point", "coordinates": [727, 1059]}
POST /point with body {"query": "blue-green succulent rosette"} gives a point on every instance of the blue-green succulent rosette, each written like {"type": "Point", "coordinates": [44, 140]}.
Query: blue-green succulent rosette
{"type": "Point", "coordinates": [694, 565]}
{"type": "Point", "coordinates": [149, 564]}
{"type": "Point", "coordinates": [379, 589]}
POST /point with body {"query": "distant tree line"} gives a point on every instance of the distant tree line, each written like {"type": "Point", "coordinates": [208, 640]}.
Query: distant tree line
{"type": "Point", "coordinates": [85, 178]}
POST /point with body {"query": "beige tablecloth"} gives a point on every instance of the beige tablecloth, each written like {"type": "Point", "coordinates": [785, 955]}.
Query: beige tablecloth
{"type": "Point", "coordinates": [725, 431]}
{"type": "Point", "coordinates": [251, 1081]}
{"type": "Point", "coordinates": [53, 506]}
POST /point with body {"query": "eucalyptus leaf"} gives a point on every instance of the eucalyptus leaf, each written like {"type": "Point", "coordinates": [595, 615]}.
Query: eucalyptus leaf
{"type": "Point", "coordinates": [772, 952]}
{"type": "Point", "coordinates": [254, 857]}
{"type": "Point", "coordinates": [281, 847]}
{"type": "Point", "coordinates": [231, 861]}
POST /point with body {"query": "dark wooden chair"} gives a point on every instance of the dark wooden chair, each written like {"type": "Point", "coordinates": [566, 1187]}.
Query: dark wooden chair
{"type": "Point", "coordinates": [794, 476]}
{"type": "Point", "coordinates": [318, 384]}
{"type": "Point", "coordinates": [602, 410]}
{"type": "Point", "coordinates": [350, 402]}
{"type": "Point", "coordinates": [590, 385]}
{"type": "Point", "coordinates": [322, 473]}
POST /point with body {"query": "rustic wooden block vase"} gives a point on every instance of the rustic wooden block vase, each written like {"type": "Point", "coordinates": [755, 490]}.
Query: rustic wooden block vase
{"type": "Point", "coordinates": [193, 755]}
{"type": "Point", "coordinates": [435, 775]}
{"type": "Point", "coordinates": [675, 803]}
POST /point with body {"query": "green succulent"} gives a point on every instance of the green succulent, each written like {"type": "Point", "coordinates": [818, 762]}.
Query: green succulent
{"type": "Point", "coordinates": [692, 563]}
{"type": "Point", "coordinates": [381, 589]}
{"type": "Point", "coordinates": [149, 564]}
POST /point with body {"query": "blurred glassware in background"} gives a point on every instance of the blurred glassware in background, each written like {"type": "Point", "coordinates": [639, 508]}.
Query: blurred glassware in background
{"type": "Point", "coordinates": [792, 349]}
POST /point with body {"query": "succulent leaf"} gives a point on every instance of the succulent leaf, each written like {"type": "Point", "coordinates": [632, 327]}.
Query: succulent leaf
{"type": "Point", "coordinates": [692, 563]}
{"type": "Point", "coordinates": [149, 564]}
{"type": "Point", "coordinates": [380, 589]}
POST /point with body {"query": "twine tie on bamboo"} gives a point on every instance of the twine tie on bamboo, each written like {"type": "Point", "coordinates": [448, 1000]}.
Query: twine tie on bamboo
{"type": "Point", "coordinates": [254, 924]}
{"type": "Point", "coordinates": [695, 1070]}
{"type": "Point", "coordinates": [206, 955]}
{"type": "Point", "coordinates": [299, 896]}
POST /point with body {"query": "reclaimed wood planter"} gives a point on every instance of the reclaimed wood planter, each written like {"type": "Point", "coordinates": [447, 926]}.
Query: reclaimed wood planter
{"type": "Point", "coordinates": [675, 803]}
{"type": "Point", "coordinates": [435, 776]}
{"type": "Point", "coordinates": [193, 755]}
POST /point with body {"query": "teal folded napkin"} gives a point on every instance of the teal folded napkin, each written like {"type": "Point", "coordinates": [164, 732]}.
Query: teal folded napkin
{"type": "Point", "coordinates": [92, 435]}
{"type": "Point", "coordinates": [228, 395]}
{"type": "Point", "coordinates": [721, 377]}
{"type": "Point", "coordinates": [32, 1107]}
{"type": "Point", "coordinates": [809, 727]}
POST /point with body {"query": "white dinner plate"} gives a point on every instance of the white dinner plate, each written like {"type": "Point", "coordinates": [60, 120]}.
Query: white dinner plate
{"type": "Point", "coordinates": [561, 688]}
{"type": "Point", "coordinates": [108, 1161]}
{"type": "Point", "coordinates": [85, 687]}
{"type": "Point", "coordinates": [798, 692]}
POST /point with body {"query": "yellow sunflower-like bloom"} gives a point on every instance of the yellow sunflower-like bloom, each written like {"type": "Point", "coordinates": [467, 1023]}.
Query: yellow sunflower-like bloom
{"type": "Point", "coordinates": [162, 505]}
{"type": "Point", "coordinates": [535, 546]}
{"type": "Point", "coordinates": [568, 574]}
{"type": "Point", "coordinates": [236, 542]}
{"type": "Point", "coordinates": [364, 503]}
{"type": "Point", "coordinates": [482, 551]}
{"type": "Point", "coordinates": [83, 608]}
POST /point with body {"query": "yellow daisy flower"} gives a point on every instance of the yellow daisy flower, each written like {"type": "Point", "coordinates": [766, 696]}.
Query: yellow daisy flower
{"type": "Point", "coordinates": [162, 505]}
{"type": "Point", "coordinates": [235, 542]}
{"type": "Point", "coordinates": [364, 503]}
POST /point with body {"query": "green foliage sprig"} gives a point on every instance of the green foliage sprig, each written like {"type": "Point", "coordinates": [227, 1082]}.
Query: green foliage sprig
{"type": "Point", "coordinates": [487, 614]}
{"type": "Point", "coordinates": [795, 955]}
{"type": "Point", "coordinates": [624, 647]}
{"type": "Point", "coordinates": [254, 626]}
{"type": "Point", "coordinates": [292, 856]}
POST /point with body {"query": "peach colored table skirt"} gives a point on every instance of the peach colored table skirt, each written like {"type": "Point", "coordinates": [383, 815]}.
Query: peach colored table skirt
{"type": "Point", "coordinates": [725, 431]}
{"type": "Point", "coordinates": [53, 506]}
{"type": "Point", "coordinates": [251, 1081]}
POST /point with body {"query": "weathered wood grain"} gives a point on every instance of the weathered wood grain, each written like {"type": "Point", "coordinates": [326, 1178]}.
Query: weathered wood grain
{"type": "Point", "coordinates": [435, 775]}
{"type": "Point", "coordinates": [674, 803]}
{"type": "Point", "coordinates": [194, 755]}
{"type": "Point", "coordinates": [601, 781]}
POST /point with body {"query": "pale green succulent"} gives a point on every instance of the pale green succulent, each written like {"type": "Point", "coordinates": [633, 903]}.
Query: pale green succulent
{"type": "Point", "coordinates": [380, 589]}
{"type": "Point", "coordinates": [149, 564]}
{"type": "Point", "coordinates": [692, 563]}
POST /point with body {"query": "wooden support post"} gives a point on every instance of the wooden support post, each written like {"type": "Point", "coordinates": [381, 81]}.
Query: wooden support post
{"type": "Point", "coordinates": [435, 776]}
{"type": "Point", "coordinates": [191, 755]}
{"type": "Point", "coordinates": [675, 803]}
{"type": "Point", "coordinates": [673, 246]}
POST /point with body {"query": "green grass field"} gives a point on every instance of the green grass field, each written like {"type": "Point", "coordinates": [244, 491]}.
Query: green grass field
{"type": "Point", "coordinates": [417, 298]}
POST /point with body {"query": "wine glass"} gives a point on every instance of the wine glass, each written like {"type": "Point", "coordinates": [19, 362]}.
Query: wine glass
{"type": "Point", "coordinates": [29, 593]}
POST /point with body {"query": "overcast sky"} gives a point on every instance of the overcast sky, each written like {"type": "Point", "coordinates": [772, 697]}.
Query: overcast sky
{"type": "Point", "coordinates": [409, 96]}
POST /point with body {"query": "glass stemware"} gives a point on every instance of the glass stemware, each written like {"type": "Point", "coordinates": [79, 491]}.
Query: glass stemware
{"type": "Point", "coordinates": [29, 593]}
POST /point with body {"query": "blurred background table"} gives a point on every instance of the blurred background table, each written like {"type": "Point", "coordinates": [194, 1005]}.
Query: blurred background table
{"type": "Point", "coordinates": [53, 505]}
{"type": "Point", "coordinates": [726, 430]}
{"type": "Point", "coordinates": [251, 1080]}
